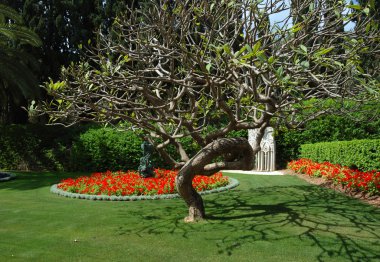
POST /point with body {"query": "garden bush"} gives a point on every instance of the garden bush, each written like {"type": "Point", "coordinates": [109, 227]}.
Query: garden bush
{"type": "Point", "coordinates": [84, 147]}
{"type": "Point", "coordinates": [89, 147]}
{"type": "Point", "coordinates": [80, 148]}
{"type": "Point", "coordinates": [324, 129]}
{"type": "Point", "coordinates": [18, 148]}
{"type": "Point", "coordinates": [35, 147]}
{"type": "Point", "coordinates": [361, 154]}
{"type": "Point", "coordinates": [101, 149]}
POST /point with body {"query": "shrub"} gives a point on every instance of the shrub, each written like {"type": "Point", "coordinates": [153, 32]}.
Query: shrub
{"type": "Point", "coordinates": [80, 148]}
{"type": "Point", "coordinates": [101, 149]}
{"type": "Point", "coordinates": [325, 129]}
{"type": "Point", "coordinates": [361, 154]}
{"type": "Point", "coordinates": [18, 148]}
{"type": "Point", "coordinates": [37, 147]}
{"type": "Point", "coordinates": [104, 149]}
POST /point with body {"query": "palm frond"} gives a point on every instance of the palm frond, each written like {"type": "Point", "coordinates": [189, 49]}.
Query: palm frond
{"type": "Point", "coordinates": [7, 12]}
{"type": "Point", "coordinates": [3, 94]}
{"type": "Point", "coordinates": [19, 77]}
{"type": "Point", "coordinates": [20, 33]}
{"type": "Point", "coordinates": [20, 55]}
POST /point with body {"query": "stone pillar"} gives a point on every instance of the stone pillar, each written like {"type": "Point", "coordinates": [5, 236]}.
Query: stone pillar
{"type": "Point", "coordinates": [265, 159]}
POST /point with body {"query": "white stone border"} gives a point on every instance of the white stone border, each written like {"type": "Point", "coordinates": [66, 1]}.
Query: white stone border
{"type": "Point", "coordinates": [54, 189]}
{"type": "Point", "coordinates": [9, 177]}
{"type": "Point", "coordinates": [255, 172]}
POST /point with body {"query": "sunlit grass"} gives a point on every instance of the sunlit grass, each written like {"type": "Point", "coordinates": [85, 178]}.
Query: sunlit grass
{"type": "Point", "coordinates": [266, 218]}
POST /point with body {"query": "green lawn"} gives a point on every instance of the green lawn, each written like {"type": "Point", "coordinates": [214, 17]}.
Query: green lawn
{"type": "Point", "coordinates": [266, 218]}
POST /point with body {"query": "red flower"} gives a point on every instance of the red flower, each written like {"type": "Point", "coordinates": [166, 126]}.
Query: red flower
{"type": "Point", "coordinates": [130, 183]}
{"type": "Point", "coordinates": [368, 182]}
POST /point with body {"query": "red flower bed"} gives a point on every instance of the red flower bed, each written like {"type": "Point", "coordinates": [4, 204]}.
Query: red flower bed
{"type": "Point", "coordinates": [367, 182]}
{"type": "Point", "coordinates": [130, 183]}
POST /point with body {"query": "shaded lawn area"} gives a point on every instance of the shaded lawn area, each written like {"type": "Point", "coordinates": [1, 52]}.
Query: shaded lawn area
{"type": "Point", "coordinates": [266, 218]}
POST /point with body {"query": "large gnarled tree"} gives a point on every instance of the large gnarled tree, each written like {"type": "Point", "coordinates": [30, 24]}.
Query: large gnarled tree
{"type": "Point", "coordinates": [172, 68]}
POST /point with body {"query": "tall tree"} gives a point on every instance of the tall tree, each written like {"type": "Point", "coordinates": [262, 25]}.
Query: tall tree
{"type": "Point", "coordinates": [67, 26]}
{"type": "Point", "coordinates": [176, 67]}
{"type": "Point", "coordinates": [17, 81]}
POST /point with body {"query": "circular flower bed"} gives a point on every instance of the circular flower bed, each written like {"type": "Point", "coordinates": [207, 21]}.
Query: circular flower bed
{"type": "Point", "coordinates": [130, 186]}
{"type": "Point", "coordinates": [6, 176]}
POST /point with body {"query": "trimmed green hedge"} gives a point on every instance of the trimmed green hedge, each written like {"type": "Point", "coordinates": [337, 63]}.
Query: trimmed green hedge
{"type": "Point", "coordinates": [88, 147]}
{"type": "Point", "coordinates": [80, 148]}
{"type": "Point", "coordinates": [101, 149]}
{"type": "Point", "coordinates": [361, 154]}
{"type": "Point", "coordinates": [36, 147]}
{"type": "Point", "coordinates": [325, 129]}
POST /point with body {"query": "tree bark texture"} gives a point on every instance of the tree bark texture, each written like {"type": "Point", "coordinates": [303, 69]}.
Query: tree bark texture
{"type": "Point", "coordinates": [200, 165]}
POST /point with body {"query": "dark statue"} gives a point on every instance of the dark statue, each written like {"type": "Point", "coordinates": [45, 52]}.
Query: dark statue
{"type": "Point", "coordinates": [146, 168]}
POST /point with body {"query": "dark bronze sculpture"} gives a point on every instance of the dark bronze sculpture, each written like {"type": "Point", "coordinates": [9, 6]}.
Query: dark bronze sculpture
{"type": "Point", "coordinates": [146, 168]}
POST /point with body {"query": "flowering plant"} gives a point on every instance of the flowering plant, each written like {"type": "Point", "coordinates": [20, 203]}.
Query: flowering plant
{"type": "Point", "coordinates": [131, 183]}
{"type": "Point", "coordinates": [368, 182]}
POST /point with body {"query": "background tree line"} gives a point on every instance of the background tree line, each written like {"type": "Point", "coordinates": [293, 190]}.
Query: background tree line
{"type": "Point", "coordinates": [65, 28]}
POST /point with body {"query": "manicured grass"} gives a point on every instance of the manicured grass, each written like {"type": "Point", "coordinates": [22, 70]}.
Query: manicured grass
{"type": "Point", "coordinates": [266, 218]}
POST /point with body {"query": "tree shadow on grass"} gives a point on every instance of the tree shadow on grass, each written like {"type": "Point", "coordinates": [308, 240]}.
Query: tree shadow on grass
{"type": "Point", "coordinates": [340, 227]}
{"type": "Point", "coordinates": [330, 224]}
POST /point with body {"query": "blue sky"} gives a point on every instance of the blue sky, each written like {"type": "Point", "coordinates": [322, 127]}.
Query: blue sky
{"type": "Point", "coordinates": [280, 16]}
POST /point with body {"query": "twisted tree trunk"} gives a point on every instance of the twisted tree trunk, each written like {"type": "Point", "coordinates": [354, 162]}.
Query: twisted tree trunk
{"type": "Point", "coordinates": [238, 154]}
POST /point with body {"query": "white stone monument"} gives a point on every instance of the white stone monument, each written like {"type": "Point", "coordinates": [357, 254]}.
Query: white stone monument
{"type": "Point", "coordinates": [265, 159]}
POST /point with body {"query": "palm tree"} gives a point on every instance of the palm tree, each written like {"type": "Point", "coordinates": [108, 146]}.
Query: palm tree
{"type": "Point", "coordinates": [17, 81]}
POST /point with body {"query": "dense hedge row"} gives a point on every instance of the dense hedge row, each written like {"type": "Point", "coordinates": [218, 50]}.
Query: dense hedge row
{"type": "Point", "coordinates": [91, 148]}
{"type": "Point", "coordinates": [80, 148]}
{"type": "Point", "coordinates": [100, 149]}
{"type": "Point", "coordinates": [325, 129]}
{"type": "Point", "coordinates": [361, 154]}
{"type": "Point", "coordinates": [33, 147]}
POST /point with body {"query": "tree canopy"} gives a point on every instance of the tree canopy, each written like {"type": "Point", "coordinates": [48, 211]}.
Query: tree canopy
{"type": "Point", "coordinates": [65, 27]}
{"type": "Point", "coordinates": [175, 67]}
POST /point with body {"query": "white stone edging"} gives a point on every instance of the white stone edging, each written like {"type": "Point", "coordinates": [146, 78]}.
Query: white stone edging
{"type": "Point", "coordinates": [254, 172]}
{"type": "Point", "coordinates": [9, 177]}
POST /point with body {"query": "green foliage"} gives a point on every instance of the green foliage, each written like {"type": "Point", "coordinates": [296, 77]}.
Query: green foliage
{"type": "Point", "coordinates": [65, 27]}
{"type": "Point", "coordinates": [17, 148]}
{"type": "Point", "coordinates": [91, 148]}
{"type": "Point", "coordinates": [37, 147]}
{"type": "Point", "coordinates": [361, 154]}
{"type": "Point", "coordinates": [68, 27]}
{"type": "Point", "coordinates": [101, 149]}
{"type": "Point", "coordinates": [324, 129]}
{"type": "Point", "coordinates": [79, 148]}
{"type": "Point", "coordinates": [287, 146]}
{"type": "Point", "coordinates": [18, 80]}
